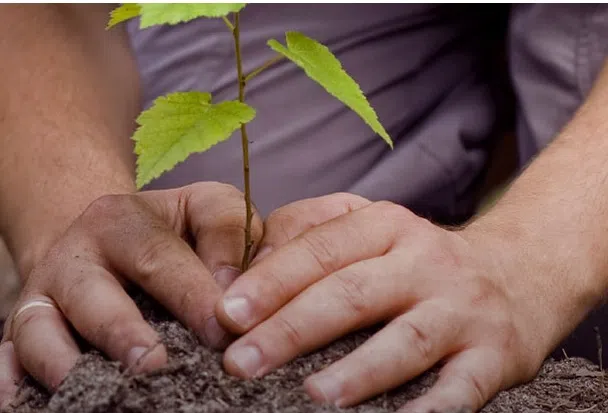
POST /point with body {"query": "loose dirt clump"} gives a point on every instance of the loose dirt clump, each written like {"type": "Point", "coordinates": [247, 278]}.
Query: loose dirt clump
{"type": "Point", "coordinates": [194, 382]}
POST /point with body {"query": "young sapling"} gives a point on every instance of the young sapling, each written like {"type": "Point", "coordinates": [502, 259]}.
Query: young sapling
{"type": "Point", "coordinates": [182, 123]}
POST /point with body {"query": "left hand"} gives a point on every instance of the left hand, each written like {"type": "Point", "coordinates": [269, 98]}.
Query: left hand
{"type": "Point", "coordinates": [339, 263]}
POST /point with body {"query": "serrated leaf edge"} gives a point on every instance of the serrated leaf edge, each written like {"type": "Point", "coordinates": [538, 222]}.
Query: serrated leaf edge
{"type": "Point", "coordinates": [285, 51]}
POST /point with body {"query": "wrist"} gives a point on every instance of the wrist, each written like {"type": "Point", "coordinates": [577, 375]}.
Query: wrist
{"type": "Point", "coordinates": [38, 228]}
{"type": "Point", "coordinates": [551, 292]}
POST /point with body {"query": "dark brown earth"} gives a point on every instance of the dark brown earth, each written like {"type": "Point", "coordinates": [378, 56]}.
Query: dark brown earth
{"type": "Point", "coordinates": [194, 382]}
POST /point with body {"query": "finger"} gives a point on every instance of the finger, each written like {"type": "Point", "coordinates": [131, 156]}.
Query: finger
{"type": "Point", "coordinates": [216, 214]}
{"type": "Point", "coordinates": [145, 250]}
{"type": "Point", "coordinates": [405, 348]}
{"type": "Point", "coordinates": [466, 383]}
{"type": "Point", "coordinates": [357, 296]}
{"type": "Point", "coordinates": [101, 311]}
{"type": "Point", "coordinates": [359, 235]}
{"type": "Point", "coordinates": [291, 220]}
{"type": "Point", "coordinates": [11, 373]}
{"type": "Point", "coordinates": [43, 343]}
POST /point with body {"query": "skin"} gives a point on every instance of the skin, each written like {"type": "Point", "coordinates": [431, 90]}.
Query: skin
{"type": "Point", "coordinates": [488, 301]}
{"type": "Point", "coordinates": [88, 234]}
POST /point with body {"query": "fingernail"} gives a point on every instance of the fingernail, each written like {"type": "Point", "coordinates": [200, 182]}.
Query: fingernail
{"type": "Point", "coordinates": [215, 335]}
{"type": "Point", "coordinates": [238, 310]}
{"type": "Point", "coordinates": [264, 251]}
{"type": "Point", "coordinates": [135, 355]}
{"type": "Point", "coordinates": [224, 276]}
{"type": "Point", "coordinates": [326, 389]}
{"type": "Point", "coordinates": [248, 359]}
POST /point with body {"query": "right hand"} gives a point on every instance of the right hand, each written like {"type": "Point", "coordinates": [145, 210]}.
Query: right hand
{"type": "Point", "coordinates": [144, 239]}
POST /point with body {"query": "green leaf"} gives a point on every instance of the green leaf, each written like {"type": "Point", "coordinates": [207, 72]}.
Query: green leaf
{"type": "Point", "coordinates": [180, 124]}
{"type": "Point", "coordinates": [323, 67]}
{"type": "Point", "coordinates": [123, 13]}
{"type": "Point", "coordinates": [162, 13]}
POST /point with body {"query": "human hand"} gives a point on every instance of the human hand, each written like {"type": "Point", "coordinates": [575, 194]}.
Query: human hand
{"type": "Point", "coordinates": [340, 263]}
{"type": "Point", "coordinates": [182, 246]}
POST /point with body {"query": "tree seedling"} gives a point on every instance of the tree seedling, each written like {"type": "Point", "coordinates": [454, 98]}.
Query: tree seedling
{"type": "Point", "coordinates": [180, 124]}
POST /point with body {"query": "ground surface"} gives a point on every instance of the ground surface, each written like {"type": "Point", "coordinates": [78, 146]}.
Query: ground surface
{"type": "Point", "coordinates": [195, 383]}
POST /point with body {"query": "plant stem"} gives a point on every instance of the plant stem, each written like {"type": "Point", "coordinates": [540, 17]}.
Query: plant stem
{"type": "Point", "coordinates": [244, 144]}
{"type": "Point", "coordinates": [264, 66]}
{"type": "Point", "coordinates": [228, 23]}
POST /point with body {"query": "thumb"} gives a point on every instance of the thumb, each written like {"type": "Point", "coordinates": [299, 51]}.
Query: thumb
{"type": "Point", "coordinates": [212, 216]}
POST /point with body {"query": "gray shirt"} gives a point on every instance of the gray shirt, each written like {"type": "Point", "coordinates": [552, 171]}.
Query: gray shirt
{"type": "Point", "coordinates": [431, 71]}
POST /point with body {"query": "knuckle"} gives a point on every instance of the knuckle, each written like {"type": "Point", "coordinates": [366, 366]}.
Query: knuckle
{"type": "Point", "coordinates": [478, 388]}
{"type": "Point", "coordinates": [440, 253]}
{"type": "Point", "coordinates": [374, 374]}
{"type": "Point", "coordinates": [348, 199]}
{"type": "Point", "coordinates": [231, 216]}
{"type": "Point", "coordinates": [390, 209]}
{"type": "Point", "coordinates": [281, 217]}
{"type": "Point", "coordinates": [345, 202]}
{"type": "Point", "coordinates": [227, 189]}
{"type": "Point", "coordinates": [446, 258]}
{"type": "Point", "coordinates": [195, 309]}
{"type": "Point", "coordinates": [420, 339]}
{"type": "Point", "coordinates": [282, 222]}
{"type": "Point", "coordinates": [447, 313]}
{"type": "Point", "coordinates": [70, 294]}
{"type": "Point", "coordinates": [354, 291]}
{"type": "Point", "coordinates": [483, 290]}
{"type": "Point", "coordinates": [290, 332]}
{"type": "Point", "coordinates": [397, 214]}
{"type": "Point", "coordinates": [148, 259]}
{"type": "Point", "coordinates": [268, 291]}
{"type": "Point", "coordinates": [109, 332]}
{"type": "Point", "coordinates": [214, 205]}
{"type": "Point", "coordinates": [323, 250]}
{"type": "Point", "coordinates": [213, 189]}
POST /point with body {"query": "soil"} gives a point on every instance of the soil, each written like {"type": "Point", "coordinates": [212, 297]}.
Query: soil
{"type": "Point", "coordinates": [194, 382]}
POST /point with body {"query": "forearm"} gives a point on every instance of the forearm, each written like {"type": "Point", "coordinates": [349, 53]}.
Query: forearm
{"type": "Point", "coordinates": [551, 227]}
{"type": "Point", "coordinates": [68, 99]}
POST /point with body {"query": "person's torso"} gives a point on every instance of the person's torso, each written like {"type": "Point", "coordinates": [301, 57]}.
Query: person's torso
{"type": "Point", "coordinates": [424, 68]}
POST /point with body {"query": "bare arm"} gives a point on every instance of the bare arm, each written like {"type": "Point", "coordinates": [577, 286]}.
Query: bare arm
{"type": "Point", "coordinates": [554, 220]}
{"type": "Point", "coordinates": [68, 99]}
{"type": "Point", "coordinates": [491, 300]}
